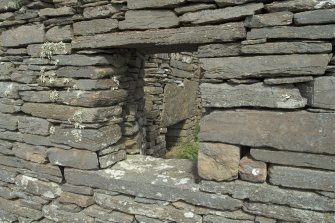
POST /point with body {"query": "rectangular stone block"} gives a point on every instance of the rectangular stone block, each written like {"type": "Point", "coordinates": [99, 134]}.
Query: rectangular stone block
{"type": "Point", "coordinates": [36, 126]}
{"type": "Point", "coordinates": [270, 19]}
{"type": "Point", "coordinates": [18, 210]}
{"type": "Point", "coordinates": [324, 16]}
{"type": "Point", "coordinates": [96, 26]}
{"type": "Point", "coordinates": [8, 122]}
{"type": "Point", "coordinates": [219, 50]}
{"type": "Point", "coordinates": [197, 35]}
{"type": "Point", "coordinates": [302, 178]}
{"type": "Point", "coordinates": [292, 5]}
{"type": "Point", "coordinates": [35, 154]}
{"type": "Point", "coordinates": [23, 35]}
{"type": "Point", "coordinates": [86, 72]}
{"type": "Point", "coordinates": [265, 66]}
{"type": "Point", "coordinates": [257, 95]}
{"type": "Point", "coordinates": [112, 158]}
{"type": "Point", "coordinates": [139, 4]}
{"type": "Point", "coordinates": [315, 132]}
{"type": "Point", "coordinates": [72, 198]}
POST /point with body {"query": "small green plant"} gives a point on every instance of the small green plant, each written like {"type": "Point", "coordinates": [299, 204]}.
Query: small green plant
{"type": "Point", "coordinates": [48, 49]}
{"type": "Point", "coordinates": [184, 150]}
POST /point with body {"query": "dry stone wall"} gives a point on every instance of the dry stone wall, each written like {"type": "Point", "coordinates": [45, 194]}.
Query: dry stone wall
{"type": "Point", "coordinates": [72, 106]}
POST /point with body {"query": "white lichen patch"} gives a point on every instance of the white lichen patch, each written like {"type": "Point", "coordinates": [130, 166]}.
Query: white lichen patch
{"type": "Point", "coordinates": [183, 181]}
{"type": "Point", "coordinates": [52, 130]}
{"type": "Point", "coordinates": [322, 3]}
{"type": "Point", "coordinates": [255, 171]}
{"type": "Point", "coordinates": [115, 174]}
{"type": "Point", "coordinates": [189, 214]}
{"type": "Point", "coordinates": [54, 95]}
{"type": "Point", "coordinates": [77, 134]}
{"type": "Point", "coordinates": [48, 49]}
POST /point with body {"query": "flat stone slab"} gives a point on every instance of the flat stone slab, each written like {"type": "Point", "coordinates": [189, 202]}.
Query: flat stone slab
{"type": "Point", "coordinates": [23, 35]}
{"type": "Point", "coordinates": [185, 35]}
{"type": "Point", "coordinates": [302, 178]}
{"type": "Point", "coordinates": [314, 131]}
{"type": "Point", "coordinates": [270, 19]}
{"type": "Point", "coordinates": [294, 159]}
{"type": "Point", "coordinates": [258, 95]}
{"type": "Point", "coordinates": [324, 16]}
{"type": "Point", "coordinates": [139, 4]}
{"type": "Point", "coordinates": [265, 66]}
{"type": "Point", "coordinates": [287, 80]}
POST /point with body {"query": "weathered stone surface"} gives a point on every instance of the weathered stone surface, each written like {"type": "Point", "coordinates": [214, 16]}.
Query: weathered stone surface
{"type": "Point", "coordinates": [6, 69]}
{"type": "Point", "coordinates": [36, 126]}
{"type": "Point", "coordinates": [193, 8]}
{"type": "Point", "coordinates": [108, 215]}
{"type": "Point", "coordinates": [73, 158]}
{"type": "Point", "coordinates": [252, 170]}
{"type": "Point", "coordinates": [265, 66]}
{"type": "Point", "coordinates": [86, 72]}
{"type": "Point", "coordinates": [294, 159]}
{"type": "Point", "coordinates": [220, 219]}
{"type": "Point", "coordinates": [149, 210]}
{"type": "Point", "coordinates": [77, 189]}
{"type": "Point", "coordinates": [54, 213]}
{"type": "Point", "coordinates": [80, 200]}
{"type": "Point", "coordinates": [219, 50]}
{"type": "Point", "coordinates": [288, 214]}
{"type": "Point", "coordinates": [23, 35]}
{"type": "Point", "coordinates": [103, 11]}
{"type": "Point", "coordinates": [265, 193]}
{"type": "Point", "coordinates": [290, 32]}
{"type": "Point", "coordinates": [35, 154]}
{"type": "Point", "coordinates": [65, 113]}
{"type": "Point", "coordinates": [272, 129]}
{"type": "Point", "coordinates": [148, 19]}
{"type": "Point", "coordinates": [221, 15]}
{"type": "Point", "coordinates": [7, 217]}
{"type": "Point", "coordinates": [224, 3]}
{"type": "Point", "coordinates": [288, 80]}
{"type": "Point", "coordinates": [320, 92]}
{"type": "Point", "coordinates": [325, 16]}
{"type": "Point", "coordinates": [139, 4]}
{"type": "Point", "coordinates": [110, 159]}
{"type": "Point", "coordinates": [9, 90]}
{"type": "Point", "coordinates": [84, 60]}
{"type": "Point", "coordinates": [96, 26]}
{"type": "Point", "coordinates": [8, 122]}
{"type": "Point", "coordinates": [292, 5]}
{"type": "Point", "coordinates": [90, 139]}
{"type": "Point", "coordinates": [62, 11]}
{"type": "Point", "coordinates": [302, 178]}
{"type": "Point", "coordinates": [196, 35]}
{"type": "Point", "coordinates": [16, 209]}
{"type": "Point", "coordinates": [169, 180]}
{"type": "Point", "coordinates": [34, 186]}
{"type": "Point", "coordinates": [6, 147]}
{"type": "Point", "coordinates": [218, 161]}
{"type": "Point", "coordinates": [34, 50]}
{"type": "Point", "coordinates": [258, 95]}
{"type": "Point", "coordinates": [59, 33]}
{"type": "Point", "coordinates": [179, 102]}
{"type": "Point", "coordinates": [288, 47]}
{"type": "Point", "coordinates": [7, 174]}
{"type": "Point", "coordinates": [270, 19]}
{"type": "Point", "coordinates": [10, 105]}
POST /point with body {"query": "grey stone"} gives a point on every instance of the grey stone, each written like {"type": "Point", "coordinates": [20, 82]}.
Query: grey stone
{"type": "Point", "coordinates": [14, 136]}
{"type": "Point", "coordinates": [108, 215]}
{"type": "Point", "coordinates": [148, 19]}
{"type": "Point", "coordinates": [293, 32]}
{"type": "Point", "coordinates": [90, 139]}
{"type": "Point", "coordinates": [112, 158]}
{"type": "Point", "coordinates": [54, 213]}
{"type": "Point", "coordinates": [103, 11]}
{"type": "Point", "coordinates": [252, 170]}
{"type": "Point", "coordinates": [294, 159]}
{"type": "Point", "coordinates": [220, 219]}
{"type": "Point", "coordinates": [34, 50]}
{"type": "Point", "coordinates": [65, 113]}
{"type": "Point", "coordinates": [224, 3]}
{"type": "Point", "coordinates": [288, 214]}
{"type": "Point", "coordinates": [9, 90]}
{"type": "Point", "coordinates": [221, 15]}
{"type": "Point", "coordinates": [219, 50]}
{"type": "Point", "coordinates": [6, 147]}
{"type": "Point", "coordinates": [325, 16]}
{"type": "Point", "coordinates": [217, 161]}
{"type": "Point", "coordinates": [7, 217]}
{"type": "Point", "coordinates": [320, 92]}
{"type": "Point", "coordinates": [294, 5]}
{"type": "Point", "coordinates": [8, 122]}
{"type": "Point", "coordinates": [83, 60]}
{"type": "Point", "coordinates": [288, 80]}
{"type": "Point", "coordinates": [62, 11]}
{"type": "Point", "coordinates": [265, 66]}
{"type": "Point", "coordinates": [7, 175]}
{"type": "Point", "coordinates": [86, 72]}
{"type": "Point", "coordinates": [26, 77]}
{"type": "Point", "coordinates": [139, 4]}
{"type": "Point", "coordinates": [270, 19]}
{"type": "Point", "coordinates": [73, 158]}
{"type": "Point", "coordinates": [302, 178]}
{"type": "Point", "coordinates": [35, 154]}
{"type": "Point", "coordinates": [143, 219]}
{"type": "Point", "coordinates": [96, 26]}
{"type": "Point", "coordinates": [6, 69]}
{"type": "Point", "coordinates": [73, 198]}
{"type": "Point", "coordinates": [265, 193]}
{"type": "Point", "coordinates": [34, 126]}
{"type": "Point", "coordinates": [59, 33]}
{"type": "Point", "coordinates": [288, 47]}
{"type": "Point", "coordinates": [271, 129]}
{"type": "Point", "coordinates": [193, 8]}
{"type": "Point", "coordinates": [23, 35]}
{"type": "Point", "coordinates": [16, 209]}
{"type": "Point", "coordinates": [185, 35]}
{"type": "Point", "coordinates": [77, 189]}
{"type": "Point", "coordinates": [257, 95]}
{"type": "Point", "coordinates": [179, 102]}
{"type": "Point", "coordinates": [149, 210]}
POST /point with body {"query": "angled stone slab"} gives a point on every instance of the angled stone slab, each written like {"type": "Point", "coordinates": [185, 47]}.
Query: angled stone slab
{"type": "Point", "coordinates": [302, 178]}
{"type": "Point", "coordinates": [8, 122]}
{"type": "Point", "coordinates": [292, 5]}
{"type": "Point", "coordinates": [96, 26]}
{"type": "Point", "coordinates": [288, 214]}
{"type": "Point", "coordinates": [139, 4]}
{"type": "Point", "coordinates": [325, 16]}
{"type": "Point", "coordinates": [14, 207]}
{"type": "Point", "coordinates": [257, 95]}
{"type": "Point", "coordinates": [291, 32]}
{"type": "Point", "coordinates": [23, 35]}
{"type": "Point", "coordinates": [265, 66]}
{"type": "Point", "coordinates": [219, 50]}
{"type": "Point", "coordinates": [265, 193]}
{"type": "Point", "coordinates": [221, 15]}
{"type": "Point", "coordinates": [294, 159]}
{"type": "Point", "coordinates": [315, 132]}
{"type": "Point", "coordinates": [224, 3]}
{"type": "Point", "coordinates": [185, 35]}
{"type": "Point", "coordinates": [287, 80]}
{"type": "Point", "coordinates": [270, 19]}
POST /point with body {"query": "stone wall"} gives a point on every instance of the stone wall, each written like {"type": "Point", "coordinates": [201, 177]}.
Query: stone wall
{"type": "Point", "coordinates": [72, 106]}
{"type": "Point", "coordinates": [172, 100]}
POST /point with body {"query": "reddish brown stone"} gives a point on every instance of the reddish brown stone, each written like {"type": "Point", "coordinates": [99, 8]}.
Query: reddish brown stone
{"type": "Point", "coordinates": [80, 200]}
{"type": "Point", "coordinates": [252, 170]}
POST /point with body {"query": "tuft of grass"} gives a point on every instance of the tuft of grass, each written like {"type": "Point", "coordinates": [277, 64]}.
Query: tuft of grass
{"type": "Point", "coordinates": [184, 150]}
